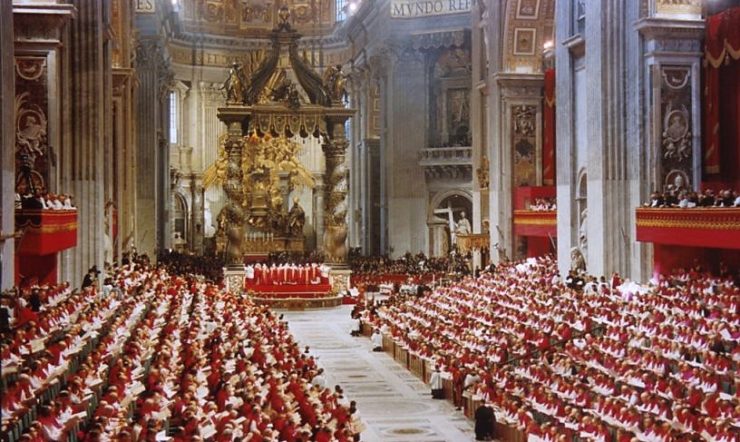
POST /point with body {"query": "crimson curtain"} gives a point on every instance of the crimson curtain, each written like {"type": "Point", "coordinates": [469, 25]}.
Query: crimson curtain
{"type": "Point", "coordinates": [722, 97]}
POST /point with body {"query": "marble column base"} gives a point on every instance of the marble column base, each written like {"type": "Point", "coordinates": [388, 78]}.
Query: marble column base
{"type": "Point", "coordinates": [339, 279]}
{"type": "Point", "coordinates": [234, 279]}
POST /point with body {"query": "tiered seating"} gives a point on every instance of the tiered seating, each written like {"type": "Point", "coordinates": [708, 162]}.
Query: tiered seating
{"type": "Point", "coordinates": [174, 358]}
{"type": "Point", "coordinates": [656, 363]}
{"type": "Point", "coordinates": [63, 362]}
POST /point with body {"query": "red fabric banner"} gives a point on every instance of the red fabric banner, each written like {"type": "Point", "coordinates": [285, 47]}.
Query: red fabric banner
{"type": "Point", "coordinates": [548, 130]}
{"type": "Point", "coordinates": [722, 95]}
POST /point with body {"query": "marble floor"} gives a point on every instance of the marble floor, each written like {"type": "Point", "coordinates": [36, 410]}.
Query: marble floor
{"type": "Point", "coordinates": [394, 404]}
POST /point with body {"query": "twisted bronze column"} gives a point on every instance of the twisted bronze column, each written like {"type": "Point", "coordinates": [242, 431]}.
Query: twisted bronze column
{"type": "Point", "coordinates": [335, 216]}
{"type": "Point", "coordinates": [235, 195]}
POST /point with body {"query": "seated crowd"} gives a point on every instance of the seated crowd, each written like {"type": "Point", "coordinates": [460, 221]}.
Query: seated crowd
{"type": "Point", "coordinates": [686, 199]}
{"type": "Point", "coordinates": [612, 361]}
{"type": "Point", "coordinates": [211, 268]}
{"type": "Point", "coordinates": [162, 357]}
{"type": "Point", "coordinates": [408, 264]}
{"type": "Point", "coordinates": [44, 201]}
{"type": "Point", "coordinates": [385, 276]}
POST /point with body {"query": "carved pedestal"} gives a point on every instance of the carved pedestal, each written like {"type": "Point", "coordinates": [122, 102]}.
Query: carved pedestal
{"type": "Point", "coordinates": [234, 279]}
{"type": "Point", "coordinates": [339, 279]}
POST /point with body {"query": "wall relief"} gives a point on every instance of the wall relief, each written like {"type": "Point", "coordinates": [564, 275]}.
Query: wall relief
{"type": "Point", "coordinates": [676, 134]}
{"type": "Point", "coordinates": [31, 123]}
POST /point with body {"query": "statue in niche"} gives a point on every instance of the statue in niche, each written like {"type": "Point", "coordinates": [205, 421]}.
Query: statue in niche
{"type": "Point", "coordinates": [459, 117]}
{"type": "Point", "coordinates": [335, 82]}
{"type": "Point", "coordinates": [583, 232]}
{"type": "Point", "coordinates": [296, 219]}
{"type": "Point", "coordinates": [462, 227]}
{"type": "Point", "coordinates": [234, 85]}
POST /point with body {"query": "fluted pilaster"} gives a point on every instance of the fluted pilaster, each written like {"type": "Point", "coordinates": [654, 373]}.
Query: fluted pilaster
{"type": "Point", "coordinates": [7, 147]}
{"type": "Point", "coordinates": [87, 120]}
{"type": "Point", "coordinates": [152, 155]}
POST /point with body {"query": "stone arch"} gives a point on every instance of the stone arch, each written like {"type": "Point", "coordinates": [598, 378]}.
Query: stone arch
{"type": "Point", "coordinates": [440, 229]}
{"type": "Point", "coordinates": [439, 197]}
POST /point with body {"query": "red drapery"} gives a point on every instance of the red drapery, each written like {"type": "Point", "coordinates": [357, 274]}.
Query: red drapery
{"type": "Point", "coordinates": [722, 96]}
{"type": "Point", "coordinates": [548, 129]}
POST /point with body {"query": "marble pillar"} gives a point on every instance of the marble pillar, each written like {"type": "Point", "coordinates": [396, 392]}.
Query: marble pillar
{"type": "Point", "coordinates": [606, 223]}
{"type": "Point", "coordinates": [7, 148]}
{"type": "Point", "coordinates": [123, 208]}
{"type": "Point", "coordinates": [124, 160]}
{"type": "Point", "coordinates": [499, 178]}
{"type": "Point", "coordinates": [569, 53]}
{"type": "Point", "coordinates": [519, 130]}
{"type": "Point", "coordinates": [405, 107]}
{"type": "Point", "coordinates": [667, 83]}
{"type": "Point", "coordinates": [152, 153]}
{"type": "Point", "coordinates": [87, 136]}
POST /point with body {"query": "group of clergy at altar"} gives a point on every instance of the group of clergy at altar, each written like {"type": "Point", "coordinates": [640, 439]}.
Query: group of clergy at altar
{"type": "Point", "coordinates": [282, 274]}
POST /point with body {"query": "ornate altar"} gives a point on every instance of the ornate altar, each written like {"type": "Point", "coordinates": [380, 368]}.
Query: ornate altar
{"type": "Point", "coordinates": [283, 100]}
{"type": "Point", "coordinates": [271, 171]}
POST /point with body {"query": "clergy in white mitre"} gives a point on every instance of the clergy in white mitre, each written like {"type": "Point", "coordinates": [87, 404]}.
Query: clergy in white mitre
{"type": "Point", "coordinates": [293, 270]}
{"type": "Point", "coordinates": [324, 269]}
{"type": "Point", "coordinates": [249, 274]}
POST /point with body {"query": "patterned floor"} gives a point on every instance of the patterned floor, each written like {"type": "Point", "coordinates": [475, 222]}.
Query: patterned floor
{"type": "Point", "coordinates": [393, 403]}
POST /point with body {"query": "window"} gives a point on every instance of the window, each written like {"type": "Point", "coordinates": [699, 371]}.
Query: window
{"type": "Point", "coordinates": [341, 10]}
{"type": "Point", "coordinates": [174, 117]}
{"type": "Point", "coordinates": [580, 16]}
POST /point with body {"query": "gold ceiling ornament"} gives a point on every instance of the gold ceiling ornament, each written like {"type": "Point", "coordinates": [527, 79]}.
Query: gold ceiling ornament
{"type": "Point", "coordinates": [264, 161]}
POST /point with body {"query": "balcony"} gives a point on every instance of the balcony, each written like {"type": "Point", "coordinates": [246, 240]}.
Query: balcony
{"type": "Point", "coordinates": [538, 223]}
{"type": "Point", "coordinates": [712, 227]}
{"type": "Point", "coordinates": [46, 231]}
{"type": "Point", "coordinates": [453, 163]}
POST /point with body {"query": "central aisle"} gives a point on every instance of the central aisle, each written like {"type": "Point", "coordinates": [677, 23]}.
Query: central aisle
{"type": "Point", "coordinates": [394, 404]}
